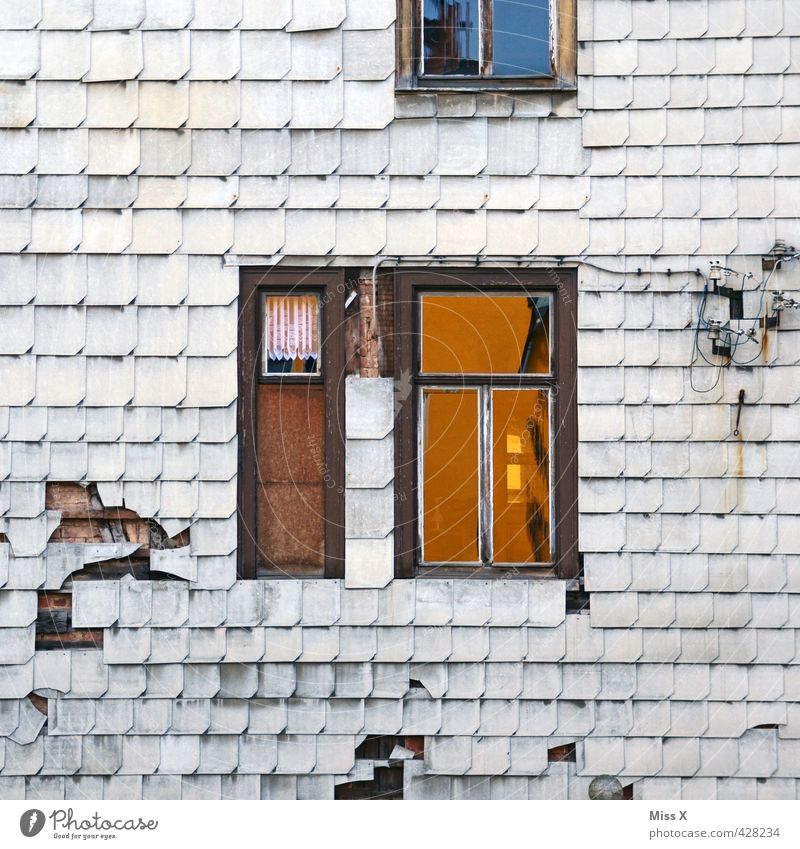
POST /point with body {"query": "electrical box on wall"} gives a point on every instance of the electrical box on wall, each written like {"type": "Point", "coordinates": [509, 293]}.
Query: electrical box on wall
{"type": "Point", "coordinates": [733, 314]}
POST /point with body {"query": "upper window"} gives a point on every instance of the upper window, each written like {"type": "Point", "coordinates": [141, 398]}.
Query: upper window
{"type": "Point", "coordinates": [486, 43]}
{"type": "Point", "coordinates": [487, 437]}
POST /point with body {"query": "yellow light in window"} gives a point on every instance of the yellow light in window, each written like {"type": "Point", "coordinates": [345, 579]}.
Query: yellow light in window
{"type": "Point", "coordinates": [513, 444]}
{"type": "Point", "coordinates": [514, 477]}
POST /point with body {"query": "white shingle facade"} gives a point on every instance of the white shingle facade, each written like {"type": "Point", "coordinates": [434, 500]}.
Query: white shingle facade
{"type": "Point", "coordinates": [148, 150]}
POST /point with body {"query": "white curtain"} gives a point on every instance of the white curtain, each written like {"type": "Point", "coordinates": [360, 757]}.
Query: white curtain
{"type": "Point", "coordinates": [292, 327]}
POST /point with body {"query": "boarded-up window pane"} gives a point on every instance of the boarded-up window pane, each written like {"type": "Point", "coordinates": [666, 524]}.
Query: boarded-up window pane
{"type": "Point", "coordinates": [291, 468]}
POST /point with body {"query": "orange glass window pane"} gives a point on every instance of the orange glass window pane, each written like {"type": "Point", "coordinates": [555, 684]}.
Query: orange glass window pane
{"type": "Point", "coordinates": [485, 333]}
{"type": "Point", "coordinates": [450, 476]}
{"type": "Point", "coordinates": [521, 476]}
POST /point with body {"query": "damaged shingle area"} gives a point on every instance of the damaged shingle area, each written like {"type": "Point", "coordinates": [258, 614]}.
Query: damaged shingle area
{"type": "Point", "coordinates": [91, 542]}
{"type": "Point", "coordinates": [112, 541]}
{"type": "Point", "coordinates": [207, 685]}
{"type": "Point", "coordinates": [115, 540]}
{"type": "Point", "coordinates": [80, 539]}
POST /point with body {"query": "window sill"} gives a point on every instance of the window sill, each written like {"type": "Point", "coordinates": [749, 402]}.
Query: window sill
{"type": "Point", "coordinates": [445, 572]}
{"type": "Point", "coordinates": [436, 85]}
{"type": "Point", "coordinates": [290, 379]}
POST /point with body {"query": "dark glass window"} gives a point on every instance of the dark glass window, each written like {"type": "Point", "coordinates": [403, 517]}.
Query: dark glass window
{"type": "Point", "coordinates": [451, 33]}
{"type": "Point", "coordinates": [494, 38]}
{"type": "Point", "coordinates": [521, 38]}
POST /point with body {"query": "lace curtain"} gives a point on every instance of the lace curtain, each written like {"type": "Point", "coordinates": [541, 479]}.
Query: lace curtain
{"type": "Point", "coordinates": [292, 327]}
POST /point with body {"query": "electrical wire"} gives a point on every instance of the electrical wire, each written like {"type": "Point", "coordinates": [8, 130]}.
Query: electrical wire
{"type": "Point", "coordinates": [696, 349]}
{"type": "Point", "coordinates": [756, 321]}
{"type": "Point", "coordinates": [740, 338]}
{"type": "Point", "coordinates": [760, 347]}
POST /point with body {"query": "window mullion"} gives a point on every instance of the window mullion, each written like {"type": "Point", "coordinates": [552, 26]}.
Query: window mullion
{"type": "Point", "coordinates": [486, 38]}
{"type": "Point", "coordinates": [419, 35]}
{"type": "Point", "coordinates": [552, 470]}
{"type": "Point", "coordinates": [485, 474]}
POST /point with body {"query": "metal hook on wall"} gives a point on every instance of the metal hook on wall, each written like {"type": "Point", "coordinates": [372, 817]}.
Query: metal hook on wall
{"type": "Point", "coordinates": [739, 412]}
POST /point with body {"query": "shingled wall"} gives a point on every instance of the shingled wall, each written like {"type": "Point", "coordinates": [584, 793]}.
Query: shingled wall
{"type": "Point", "coordinates": [151, 147]}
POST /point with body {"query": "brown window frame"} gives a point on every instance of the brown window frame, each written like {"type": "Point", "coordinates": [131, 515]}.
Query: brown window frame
{"type": "Point", "coordinates": [253, 284]}
{"type": "Point", "coordinates": [562, 285]}
{"type": "Point", "coordinates": [563, 55]}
